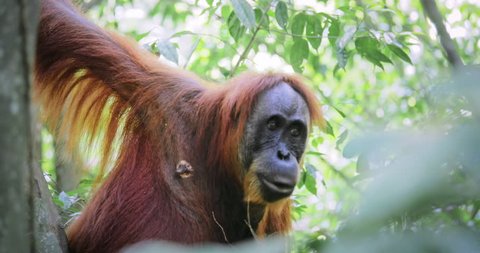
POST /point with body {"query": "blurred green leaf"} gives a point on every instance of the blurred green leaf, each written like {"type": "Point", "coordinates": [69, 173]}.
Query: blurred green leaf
{"type": "Point", "coordinates": [270, 244]}
{"type": "Point", "coordinates": [168, 50]}
{"type": "Point", "coordinates": [343, 136]}
{"type": "Point", "coordinates": [281, 15]}
{"type": "Point", "coordinates": [263, 18]}
{"type": "Point", "coordinates": [329, 129]}
{"type": "Point", "coordinates": [400, 53]}
{"type": "Point", "coordinates": [302, 178]}
{"type": "Point", "coordinates": [181, 33]}
{"type": "Point", "coordinates": [235, 28]}
{"type": "Point", "coordinates": [333, 31]}
{"type": "Point", "coordinates": [368, 47]}
{"type": "Point", "coordinates": [314, 30]}
{"type": "Point", "coordinates": [315, 153]}
{"type": "Point", "coordinates": [310, 179]}
{"type": "Point", "coordinates": [298, 25]}
{"type": "Point", "coordinates": [298, 53]}
{"type": "Point", "coordinates": [244, 12]}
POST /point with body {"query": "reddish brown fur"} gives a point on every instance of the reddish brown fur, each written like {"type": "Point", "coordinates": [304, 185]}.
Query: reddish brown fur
{"type": "Point", "coordinates": [95, 86]}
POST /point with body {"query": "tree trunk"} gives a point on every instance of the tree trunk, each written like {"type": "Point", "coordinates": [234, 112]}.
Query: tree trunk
{"type": "Point", "coordinates": [28, 218]}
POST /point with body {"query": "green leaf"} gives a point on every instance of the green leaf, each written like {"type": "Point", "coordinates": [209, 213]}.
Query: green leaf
{"type": "Point", "coordinates": [314, 28]}
{"type": "Point", "coordinates": [333, 31]}
{"type": "Point", "coordinates": [235, 28]}
{"type": "Point", "coordinates": [181, 33]}
{"type": "Point", "coordinates": [168, 51]}
{"type": "Point", "coordinates": [244, 12]}
{"type": "Point", "coordinates": [262, 17]}
{"type": "Point", "coordinates": [329, 129]}
{"type": "Point", "coordinates": [380, 56]}
{"type": "Point", "coordinates": [141, 35]}
{"type": "Point", "coordinates": [400, 53]}
{"type": "Point", "coordinates": [368, 48]}
{"type": "Point", "coordinates": [315, 153]}
{"type": "Point", "coordinates": [191, 50]}
{"type": "Point", "coordinates": [301, 180]}
{"type": "Point", "coordinates": [226, 11]}
{"type": "Point", "coordinates": [298, 53]}
{"type": "Point", "coordinates": [375, 61]}
{"type": "Point", "coordinates": [310, 179]}
{"type": "Point", "coordinates": [340, 112]}
{"type": "Point", "coordinates": [281, 15]}
{"type": "Point", "coordinates": [364, 44]}
{"type": "Point", "coordinates": [225, 72]}
{"type": "Point", "coordinates": [336, 69]}
{"type": "Point", "coordinates": [342, 57]}
{"type": "Point", "coordinates": [298, 25]}
{"type": "Point", "coordinates": [343, 136]}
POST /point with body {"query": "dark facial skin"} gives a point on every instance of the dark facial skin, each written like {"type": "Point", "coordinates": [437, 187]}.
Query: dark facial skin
{"type": "Point", "coordinates": [274, 140]}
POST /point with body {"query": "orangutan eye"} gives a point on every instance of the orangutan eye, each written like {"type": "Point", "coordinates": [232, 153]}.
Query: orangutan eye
{"type": "Point", "coordinates": [295, 132]}
{"type": "Point", "coordinates": [273, 123]}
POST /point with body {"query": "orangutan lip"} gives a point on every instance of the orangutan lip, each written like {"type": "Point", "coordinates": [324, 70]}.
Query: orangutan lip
{"type": "Point", "coordinates": [278, 187]}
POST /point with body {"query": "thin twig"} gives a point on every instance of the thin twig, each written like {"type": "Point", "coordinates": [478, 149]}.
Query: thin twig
{"type": "Point", "coordinates": [243, 56]}
{"type": "Point", "coordinates": [432, 12]}
{"type": "Point", "coordinates": [248, 221]}
{"type": "Point", "coordinates": [245, 52]}
{"type": "Point", "coordinates": [218, 224]}
{"type": "Point", "coordinates": [225, 43]}
{"type": "Point", "coordinates": [347, 180]}
{"type": "Point", "coordinates": [302, 35]}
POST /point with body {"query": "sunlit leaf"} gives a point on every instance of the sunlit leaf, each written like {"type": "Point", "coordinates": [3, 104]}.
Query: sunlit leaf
{"type": "Point", "coordinates": [298, 53]}
{"type": "Point", "coordinates": [343, 136]}
{"type": "Point", "coordinates": [260, 16]}
{"type": "Point", "coordinates": [192, 49]}
{"type": "Point", "coordinates": [400, 53]}
{"type": "Point", "coordinates": [315, 153]}
{"type": "Point", "coordinates": [342, 57]}
{"type": "Point", "coordinates": [235, 28]}
{"type": "Point", "coordinates": [377, 54]}
{"type": "Point", "coordinates": [301, 179]}
{"type": "Point", "coordinates": [340, 112]}
{"type": "Point", "coordinates": [298, 25]}
{"type": "Point", "coordinates": [314, 31]}
{"type": "Point", "coordinates": [310, 179]}
{"type": "Point", "coordinates": [181, 33]}
{"type": "Point", "coordinates": [329, 129]}
{"type": "Point", "coordinates": [333, 31]}
{"type": "Point", "coordinates": [368, 47]}
{"type": "Point", "coordinates": [244, 12]}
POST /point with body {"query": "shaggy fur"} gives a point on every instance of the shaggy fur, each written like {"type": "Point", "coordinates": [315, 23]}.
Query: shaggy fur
{"type": "Point", "coordinates": [97, 88]}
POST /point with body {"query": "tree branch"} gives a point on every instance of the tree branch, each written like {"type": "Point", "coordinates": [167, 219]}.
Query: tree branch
{"type": "Point", "coordinates": [432, 12]}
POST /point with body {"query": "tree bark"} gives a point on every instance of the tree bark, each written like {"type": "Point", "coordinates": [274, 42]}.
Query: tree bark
{"type": "Point", "coordinates": [28, 218]}
{"type": "Point", "coordinates": [432, 12]}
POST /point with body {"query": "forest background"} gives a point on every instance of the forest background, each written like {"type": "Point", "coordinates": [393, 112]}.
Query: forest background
{"type": "Point", "coordinates": [397, 167]}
